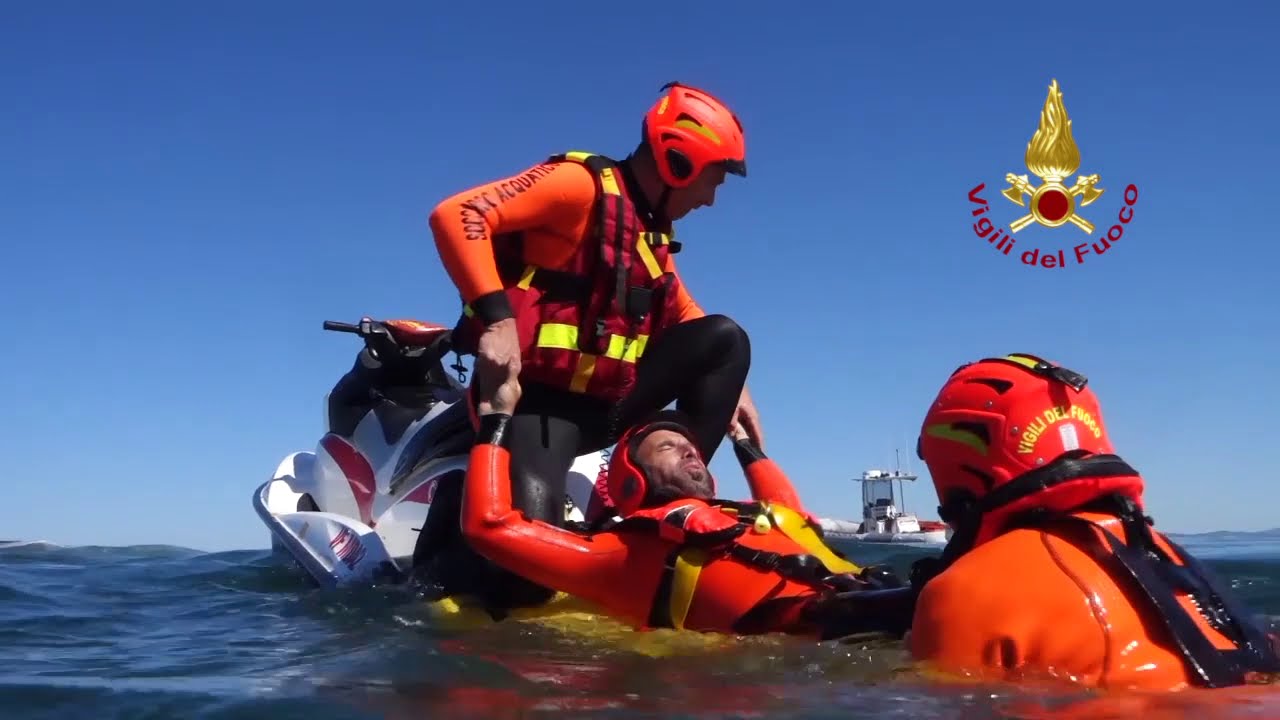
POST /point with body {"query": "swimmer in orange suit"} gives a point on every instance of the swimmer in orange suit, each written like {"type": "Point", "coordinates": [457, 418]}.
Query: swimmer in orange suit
{"type": "Point", "coordinates": [1054, 570]}
{"type": "Point", "coordinates": [679, 558]}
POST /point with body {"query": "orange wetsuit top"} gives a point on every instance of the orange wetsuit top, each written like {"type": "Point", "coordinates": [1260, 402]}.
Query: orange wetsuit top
{"type": "Point", "coordinates": [550, 204]}
{"type": "Point", "coordinates": [620, 572]}
{"type": "Point", "coordinates": [1031, 605]}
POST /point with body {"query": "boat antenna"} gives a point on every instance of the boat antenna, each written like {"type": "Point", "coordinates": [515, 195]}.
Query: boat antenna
{"type": "Point", "coordinates": [904, 493]}
{"type": "Point", "coordinates": [897, 472]}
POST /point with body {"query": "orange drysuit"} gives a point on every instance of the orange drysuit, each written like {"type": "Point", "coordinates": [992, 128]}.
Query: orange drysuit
{"type": "Point", "coordinates": [1053, 601]}
{"type": "Point", "coordinates": [776, 576]}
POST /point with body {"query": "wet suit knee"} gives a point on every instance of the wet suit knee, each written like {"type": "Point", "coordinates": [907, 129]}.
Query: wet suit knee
{"type": "Point", "coordinates": [702, 365]}
{"type": "Point", "coordinates": [543, 448]}
{"type": "Point", "coordinates": [444, 565]}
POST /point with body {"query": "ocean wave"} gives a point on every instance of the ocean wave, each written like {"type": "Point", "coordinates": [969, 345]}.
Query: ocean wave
{"type": "Point", "coordinates": [164, 631]}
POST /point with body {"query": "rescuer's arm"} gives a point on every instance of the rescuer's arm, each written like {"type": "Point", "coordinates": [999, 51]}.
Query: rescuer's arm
{"type": "Point", "coordinates": [766, 480]}
{"type": "Point", "coordinates": [686, 308]}
{"type": "Point", "coordinates": [536, 551]}
{"type": "Point", "coordinates": [551, 196]}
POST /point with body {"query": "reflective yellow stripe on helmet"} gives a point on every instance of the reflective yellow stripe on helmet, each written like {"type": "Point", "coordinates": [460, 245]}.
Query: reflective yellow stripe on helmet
{"type": "Point", "coordinates": [1024, 360]}
{"type": "Point", "coordinates": [965, 437]}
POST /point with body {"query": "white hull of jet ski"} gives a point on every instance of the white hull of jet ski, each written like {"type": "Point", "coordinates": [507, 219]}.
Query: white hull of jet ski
{"type": "Point", "coordinates": [352, 511]}
{"type": "Point", "coordinates": [336, 549]}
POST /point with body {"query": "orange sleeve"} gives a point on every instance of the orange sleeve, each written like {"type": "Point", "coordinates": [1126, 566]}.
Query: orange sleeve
{"type": "Point", "coordinates": [587, 567]}
{"type": "Point", "coordinates": [686, 308]}
{"type": "Point", "coordinates": [767, 481]}
{"type": "Point", "coordinates": [770, 484]}
{"type": "Point", "coordinates": [552, 197]}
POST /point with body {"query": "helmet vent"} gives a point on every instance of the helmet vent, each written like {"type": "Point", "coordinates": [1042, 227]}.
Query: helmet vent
{"type": "Point", "coordinates": [1000, 386]}
{"type": "Point", "coordinates": [974, 428]}
{"type": "Point", "coordinates": [988, 482]}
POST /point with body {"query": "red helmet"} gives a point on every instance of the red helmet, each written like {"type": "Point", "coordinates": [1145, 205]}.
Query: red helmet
{"type": "Point", "coordinates": [998, 418]}
{"type": "Point", "coordinates": [626, 483]}
{"type": "Point", "coordinates": [688, 130]}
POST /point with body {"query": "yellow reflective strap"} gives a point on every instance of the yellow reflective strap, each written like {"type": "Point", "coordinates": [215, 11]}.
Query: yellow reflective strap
{"type": "Point", "coordinates": [609, 182]}
{"type": "Point", "coordinates": [796, 526]}
{"type": "Point", "coordinates": [467, 311]}
{"type": "Point", "coordinates": [620, 349]}
{"type": "Point", "coordinates": [527, 277]}
{"type": "Point", "coordinates": [684, 581]}
{"type": "Point", "coordinates": [646, 254]}
{"type": "Point", "coordinates": [578, 155]}
{"type": "Point", "coordinates": [637, 349]}
{"type": "Point", "coordinates": [563, 336]}
{"type": "Point", "coordinates": [582, 374]}
{"type": "Point", "coordinates": [560, 336]}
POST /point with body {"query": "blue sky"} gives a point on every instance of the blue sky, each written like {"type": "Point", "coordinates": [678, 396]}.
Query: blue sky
{"type": "Point", "coordinates": [188, 190]}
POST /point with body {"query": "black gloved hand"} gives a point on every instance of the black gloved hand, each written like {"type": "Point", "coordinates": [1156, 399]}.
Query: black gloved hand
{"type": "Point", "coordinates": [880, 577]}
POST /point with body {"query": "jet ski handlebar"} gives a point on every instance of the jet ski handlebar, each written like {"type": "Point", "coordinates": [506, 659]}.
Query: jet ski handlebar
{"type": "Point", "coordinates": [342, 327]}
{"type": "Point", "coordinates": [386, 337]}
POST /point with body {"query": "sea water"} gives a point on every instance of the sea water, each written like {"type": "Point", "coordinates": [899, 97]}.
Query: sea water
{"type": "Point", "coordinates": [164, 632]}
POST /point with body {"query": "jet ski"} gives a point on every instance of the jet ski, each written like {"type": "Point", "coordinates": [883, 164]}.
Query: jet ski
{"type": "Point", "coordinates": [360, 508]}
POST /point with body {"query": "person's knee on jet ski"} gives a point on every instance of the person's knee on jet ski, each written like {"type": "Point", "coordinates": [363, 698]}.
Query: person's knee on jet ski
{"type": "Point", "coordinates": [677, 557]}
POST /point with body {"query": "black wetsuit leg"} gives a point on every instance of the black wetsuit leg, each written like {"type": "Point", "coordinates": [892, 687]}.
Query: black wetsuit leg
{"type": "Point", "coordinates": [545, 436]}
{"type": "Point", "coordinates": [700, 364]}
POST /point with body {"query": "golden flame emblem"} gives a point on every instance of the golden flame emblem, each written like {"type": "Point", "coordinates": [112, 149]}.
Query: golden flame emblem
{"type": "Point", "coordinates": [1052, 155]}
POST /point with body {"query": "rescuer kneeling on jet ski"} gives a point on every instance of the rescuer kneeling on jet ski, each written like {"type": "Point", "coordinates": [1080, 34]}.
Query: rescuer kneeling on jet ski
{"type": "Point", "coordinates": [1053, 568]}
{"type": "Point", "coordinates": [679, 558]}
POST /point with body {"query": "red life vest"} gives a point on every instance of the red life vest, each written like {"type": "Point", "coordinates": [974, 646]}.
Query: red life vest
{"type": "Point", "coordinates": [765, 536]}
{"type": "Point", "coordinates": [583, 326]}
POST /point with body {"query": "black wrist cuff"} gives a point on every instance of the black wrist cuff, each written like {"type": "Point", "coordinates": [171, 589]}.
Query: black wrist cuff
{"type": "Point", "coordinates": [492, 307]}
{"type": "Point", "coordinates": [493, 430]}
{"type": "Point", "coordinates": [747, 452]}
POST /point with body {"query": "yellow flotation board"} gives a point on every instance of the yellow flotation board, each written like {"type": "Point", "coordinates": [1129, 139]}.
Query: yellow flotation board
{"type": "Point", "coordinates": [575, 616]}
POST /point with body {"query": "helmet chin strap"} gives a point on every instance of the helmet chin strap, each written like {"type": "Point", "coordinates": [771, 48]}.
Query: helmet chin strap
{"type": "Point", "coordinates": [660, 212]}
{"type": "Point", "coordinates": [655, 212]}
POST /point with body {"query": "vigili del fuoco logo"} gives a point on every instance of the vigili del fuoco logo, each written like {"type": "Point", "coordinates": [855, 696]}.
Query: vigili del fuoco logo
{"type": "Point", "coordinates": [1052, 156]}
